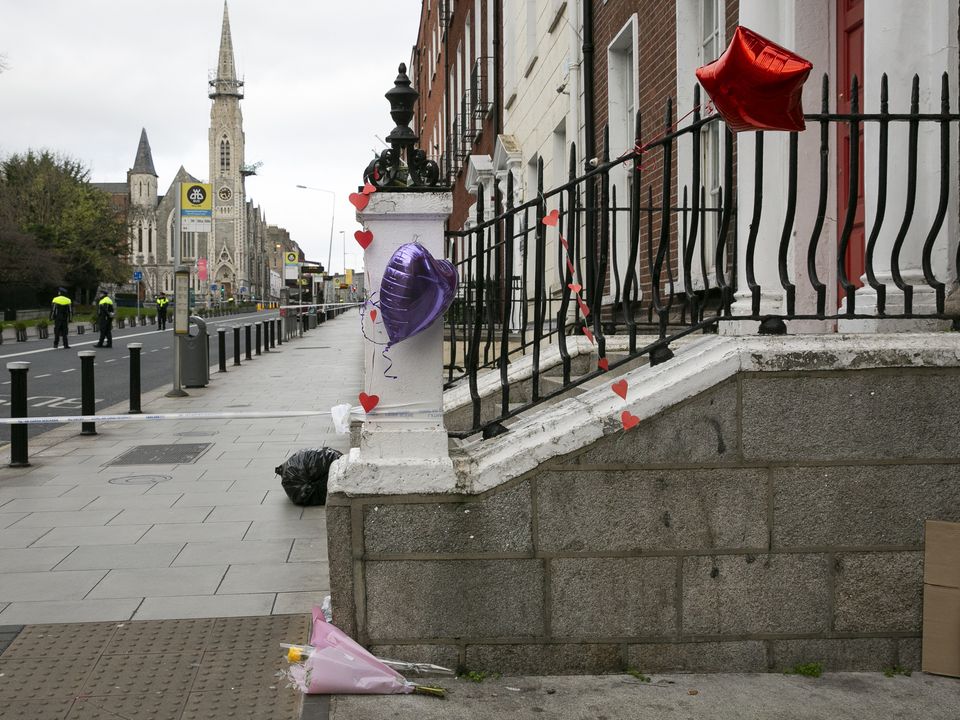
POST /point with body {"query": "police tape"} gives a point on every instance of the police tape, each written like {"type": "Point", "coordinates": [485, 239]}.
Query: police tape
{"type": "Point", "coordinates": [356, 413]}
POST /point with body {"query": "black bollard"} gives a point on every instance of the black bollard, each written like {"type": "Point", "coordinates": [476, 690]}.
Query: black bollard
{"type": "Point", "coordinates": [87, 397]}
{"type": "Point", "coordinates": [246, 332]}
{"type": "Point", "coordinates": [134, 350]}
{"type": "Point", "coordinates": [236, 345]}
{"type": "Point", "coordinates": [222, 347]}
{"type": "Point", "coordinates": [266, 335]}
{"type": "Point", "coordinates": [272, 326]}
{"type": "Point", "coordinates": [19, 455]}
{"type": "Point", "coordinates": [279, 324]}
{"type": "Point", "coordinates": [259, 329]}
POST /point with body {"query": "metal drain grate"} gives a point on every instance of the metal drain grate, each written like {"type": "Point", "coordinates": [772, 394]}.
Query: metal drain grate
{"type": "Point", "coordinates": [161, 454]}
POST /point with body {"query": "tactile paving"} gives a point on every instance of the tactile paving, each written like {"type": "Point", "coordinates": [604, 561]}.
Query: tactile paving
{"type": "Point", "coordinates": [128, 707]}
{"type": "Point", "coordinates": [35, 709]}
{"type": "Point", "coordinates": [247, 633]}
{"type": "Point", "coordinates": [74, 640]}
{"type": "Point", "coordinates": [237, 669]}
{"type": "Point", "coordinates": [162, 637]}
{"type": "Point", "coordinates": [37, 677]}
{"type": "Point", "coordinates": [277, 704]}
{"type": "Point", "coordinates": [142, 674]}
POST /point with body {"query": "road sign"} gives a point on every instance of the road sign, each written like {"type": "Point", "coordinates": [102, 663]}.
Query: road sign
{"type": "Point", "coordinates": [291, 265]}
{"type": "Point", "coordinates": [137, 275]}
{"type": "Point", "coordinates": [243, 291]}
{"type": "Point", "coordinates": [181, 299]}
{"type": "Point", "coordinates": [196, 207]}
{"type": "Point", "coordinates": [213, 288]}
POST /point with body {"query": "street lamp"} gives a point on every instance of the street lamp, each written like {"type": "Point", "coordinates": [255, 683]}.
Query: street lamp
{"type": "Point", "coordinates": [332, 212]}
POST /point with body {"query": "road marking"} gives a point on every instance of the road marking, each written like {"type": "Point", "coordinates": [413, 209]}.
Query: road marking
{"type": "Point", "coordinates": [37, 377]}
{"type": "Point", "coordinates": [70, 370]}
{"type": "Point", "coordinates": [154, 351]}
{"type": "Point", "coordinates": [7, 382]}
{"type": "Point", "coordinates": [165, 347]}
{"type": "Point", "coordinates": [106, 361]}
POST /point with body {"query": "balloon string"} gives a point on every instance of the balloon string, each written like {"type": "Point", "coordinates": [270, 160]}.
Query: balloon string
{"type": "Point", "coordinates": [641, 148]}
{"type": "Point", "coordinates": [363, 317]}
{"type": "Point", "coordinates": [386, 370]}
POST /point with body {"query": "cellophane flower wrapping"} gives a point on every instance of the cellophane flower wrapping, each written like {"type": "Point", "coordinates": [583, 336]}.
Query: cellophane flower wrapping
{"type": "Point", "coordinates": [340, 666]}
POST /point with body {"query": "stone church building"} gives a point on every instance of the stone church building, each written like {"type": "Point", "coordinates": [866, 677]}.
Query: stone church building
{"type": "Point", "coordinates": [233, 260]}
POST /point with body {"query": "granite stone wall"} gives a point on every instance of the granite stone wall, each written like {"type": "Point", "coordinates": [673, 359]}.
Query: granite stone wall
{"type": "Point", "coordinates": [774, 519]}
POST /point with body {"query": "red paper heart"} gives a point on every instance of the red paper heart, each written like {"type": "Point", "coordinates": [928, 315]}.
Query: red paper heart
{"type": "Point", "coordinates": [629, 420]}
{"type": "Point", "coordinates": [603, 364]}
{"type": "Point", "coordinates": [359, 201]}
{"type": "Point", "coordinates": [364, 237]}
{"type": "Point", "coordinates": [587, 334]}
{"type": "Point", "coordinates": [620, 388]}
{"type": "Point", "coordinates": [551, 218]}
{"type": "Point", "coordinates": [576, 287]}
{"type": "Point", "coordinates": [373, 317]}
{"type": "Point", "coordinates": [369, 188]}
{"type": "Point", "coordinates": [583, 307]}
{"type": "Point", "coordinates": [369, 402]}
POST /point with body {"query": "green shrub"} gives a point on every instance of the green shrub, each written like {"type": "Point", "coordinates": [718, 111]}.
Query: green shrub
{"type": "Point", "coordinates": [813, 669]}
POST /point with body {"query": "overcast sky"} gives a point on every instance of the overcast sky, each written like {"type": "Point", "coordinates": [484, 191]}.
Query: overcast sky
{"type": "Point", "coordinates": [84, 76]}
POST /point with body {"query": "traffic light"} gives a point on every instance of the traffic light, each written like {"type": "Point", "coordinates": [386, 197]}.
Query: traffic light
{"type": "Point", "coordinates": [221, 292]}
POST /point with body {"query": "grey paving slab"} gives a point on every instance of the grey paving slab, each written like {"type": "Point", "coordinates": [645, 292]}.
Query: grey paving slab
{"type": "Point", "coordinates": [159, 582]}
{"type": "Point", "coordinates": [45, 504]}
{"type": "Point", "coordinates": [67, 518]}
{"type": "Point", "coordinates": [31, 491]}
{"type": "Point", "coordinates": [106, 557]}
{"type": "Point", "coordinates": [272, 530]}
{"type": "Point", "coordinates": [31, 559]}
{"type": "Point", "coordinates": [269, 513]}
{"type": "Point", "coordinates": [203, 606]}
{"type": "Point", "coordinates": [157, 516]}
{"type": "Point", "coordinates": [201, 484]}
{"type": "Point", "coordinates": [21, 538]}
{"type": "Point", "coordinates": [220, 499]}
{"type": "Point", "coordinates": [290, 577]}
{"type": "Point", "coordinates": [93, 488]}
{"type": "Point", "coordinates": [244, 552]}
{"type": "Point", "coordinates": [196, 532]}
{"type": "Point", "coordinates": [69, 585]}
{"type": "Point", "coordinates": [111, 502]}
{"type": "Point", "coordinates": [317, 513]}
{"type": "Point", "coordinates": [107, 535]}
{"type": "Point", "coordinates": [8, 519]}
{"type": "Point", "coordinates": [298, 602]}
{"type": "Point", "coordinates": [69, 611]}
{"type": "Point", "coordinates": [308, 551]}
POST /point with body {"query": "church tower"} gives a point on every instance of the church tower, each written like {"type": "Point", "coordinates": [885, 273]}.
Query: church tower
{"type": "Point", "coordinates": [228, 256]}
{"type": "Point", "coordinates": [142, 218]}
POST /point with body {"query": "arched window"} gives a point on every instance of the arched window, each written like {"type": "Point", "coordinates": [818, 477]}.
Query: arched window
{"type": "Point", "coordinates": [224, 155]}
{"type": "Point", "coordinates": [150, 240]}
{"type": "Point", "coordinates": [140, 239]}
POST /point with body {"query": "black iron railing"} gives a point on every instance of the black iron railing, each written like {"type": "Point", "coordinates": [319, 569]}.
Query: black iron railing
{"type": "Point", "coordinates": [673, 268]}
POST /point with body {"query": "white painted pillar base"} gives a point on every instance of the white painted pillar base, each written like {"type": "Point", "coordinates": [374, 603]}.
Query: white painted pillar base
{"type": "Point", "coordinates": [403, 443]}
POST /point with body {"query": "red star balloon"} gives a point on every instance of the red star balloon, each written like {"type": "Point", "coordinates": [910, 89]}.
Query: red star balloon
{"type": "Point", "coordinates": [756, 84]}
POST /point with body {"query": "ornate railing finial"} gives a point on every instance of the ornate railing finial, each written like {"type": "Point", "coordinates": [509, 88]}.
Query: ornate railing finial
{"type": "Point", "coordinates": [391, 169]}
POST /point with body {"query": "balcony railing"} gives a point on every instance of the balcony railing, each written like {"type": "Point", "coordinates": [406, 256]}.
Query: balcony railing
{"type": "Point", "coordinates": [651, 256]}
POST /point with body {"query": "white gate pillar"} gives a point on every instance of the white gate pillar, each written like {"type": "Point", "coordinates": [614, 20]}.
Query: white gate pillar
{"type": "Point", "coordinates": [403, 442]}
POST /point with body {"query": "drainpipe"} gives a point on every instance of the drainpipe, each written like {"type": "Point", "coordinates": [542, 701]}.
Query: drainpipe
{"type": "Point", "coordinates": [589, 131]}
{"type": "Point", "coordinates": [497, 30]}
{"type": "Point", "coordinates": [573, 81]}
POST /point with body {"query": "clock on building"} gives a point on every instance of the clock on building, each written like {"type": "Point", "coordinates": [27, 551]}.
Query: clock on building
{"type": "Point", "coordinates": [224, 193]}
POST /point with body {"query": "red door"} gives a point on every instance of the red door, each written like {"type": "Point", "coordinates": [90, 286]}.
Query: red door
{"type": "Point", "coordinates": [849, 63]}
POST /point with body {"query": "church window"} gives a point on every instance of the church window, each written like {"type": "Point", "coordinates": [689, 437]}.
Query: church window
{"type": "Point", "coordinates": [150, 240]}
{"type": "Point", "coordinates": [140, 239]}
{"type": "Point", "coordinates": [224, 155]}
{"type": "Point", "coordinates": [140, 186]}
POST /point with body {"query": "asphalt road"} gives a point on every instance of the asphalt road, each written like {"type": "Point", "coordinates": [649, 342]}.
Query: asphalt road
{"type": "Point", "coordinates": [53, 382]}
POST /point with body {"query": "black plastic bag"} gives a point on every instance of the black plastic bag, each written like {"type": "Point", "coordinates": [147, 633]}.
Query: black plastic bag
{"type": "Point", "coordinates": [304, 475]}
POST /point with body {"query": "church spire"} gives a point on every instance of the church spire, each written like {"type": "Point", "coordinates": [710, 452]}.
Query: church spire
{"type": "Point", "coordinates": [226, 82]}
{"type": "Point", "coordinates": [144, 162]}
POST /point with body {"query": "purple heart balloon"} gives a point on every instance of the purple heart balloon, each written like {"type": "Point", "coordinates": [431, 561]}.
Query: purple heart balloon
{"type": "Point", "coordinates": [416, 289]}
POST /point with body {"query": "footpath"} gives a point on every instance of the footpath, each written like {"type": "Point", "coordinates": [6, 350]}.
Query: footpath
{"type": "Point", "coordinates": [152, 571]}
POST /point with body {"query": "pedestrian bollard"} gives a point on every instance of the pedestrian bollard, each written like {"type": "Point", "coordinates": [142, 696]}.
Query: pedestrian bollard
{"type": "Point", "coordinates": [273, 332]}
{"type": "Point", "coordinates": [222, 347]}
{"type": "Point", "coordinates": [19, 456]}
{"type": "Point", "coordinates": [279, 323]}
{"type": "Point", "coordinates": [246, 332]}
{"type": "Point", "coordinates": [87, 399]}
{"type": "Point", "coordinates": [266, 335]}
{"type": "Point", "coordinates": [236, 345]}
{"type": "Point", "coordinates": [259, 332]}
{"type": "Point", "coordinates": [134, 350]}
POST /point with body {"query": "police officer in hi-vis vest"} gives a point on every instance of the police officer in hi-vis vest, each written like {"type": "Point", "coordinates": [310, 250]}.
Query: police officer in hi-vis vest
{"type": "Point", "coordinates": [105, 313]}
{"type": "Point", "coordinates": [162, 303]}
{"type": "Point", "coordinates": [61, 312]}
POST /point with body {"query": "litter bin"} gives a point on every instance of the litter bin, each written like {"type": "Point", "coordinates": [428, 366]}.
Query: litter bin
{"type": "Point", "coordinates": [313, 318]}
{"type": "Point", "coordinates": [195, 356]}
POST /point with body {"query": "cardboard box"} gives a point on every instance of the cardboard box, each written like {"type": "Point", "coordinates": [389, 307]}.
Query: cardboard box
{"type": "Point", "coordinates": [941, 598]}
